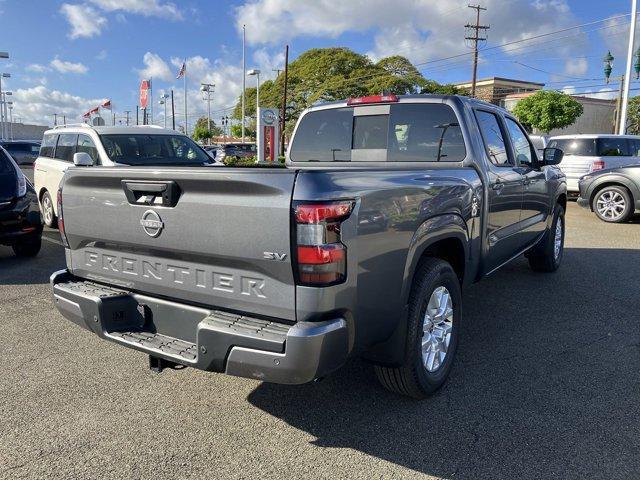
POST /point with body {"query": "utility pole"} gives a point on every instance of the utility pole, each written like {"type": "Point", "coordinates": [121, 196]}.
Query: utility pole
{"type": "Point", "coordinates": [55, 119]}
{"type": "Point", "coordinates": [127, 112]}
{"type": "Point", "coordinates": [475, 38]}
{"type": "Point", "coordinates": [208, 88]}
{"type": "Point", "coordinates": [622, 127]}
{"type": "Point", "coordinates": [284, 99]}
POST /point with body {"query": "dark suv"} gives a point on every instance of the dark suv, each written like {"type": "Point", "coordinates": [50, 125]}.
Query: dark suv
{"type": "Point", "coordinates": [24, 152]}
{"type": "Point", "coordinates": [20, 222]}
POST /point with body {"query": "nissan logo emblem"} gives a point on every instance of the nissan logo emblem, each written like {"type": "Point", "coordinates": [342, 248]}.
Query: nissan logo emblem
{"type": "Point", "coordinates": [151, 223]}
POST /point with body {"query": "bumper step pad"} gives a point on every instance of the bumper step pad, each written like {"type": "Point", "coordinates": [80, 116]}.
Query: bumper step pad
{"type": "Point", "coordinates": [156, 341]}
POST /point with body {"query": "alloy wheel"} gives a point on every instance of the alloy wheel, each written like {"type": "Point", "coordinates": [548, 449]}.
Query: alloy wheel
{"type": "Point", "coordinates": [557, 241]}
{"type": "Point", "coordinates": [611, 205]}
{"type": "Point", "coordinates": [47, 210]}
{"type": "Point", "coordinates": [437, 325]}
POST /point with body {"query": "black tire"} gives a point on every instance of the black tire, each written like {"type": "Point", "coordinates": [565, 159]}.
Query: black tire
{"type": "Point", "coordinates": [543, 257]}
{"type": "Point", "coordinates": [614, 191]}
{"type": "Point", "coordinates": [48, 218]}
{"type": "Point", "coordinates": [412, 378]}
{"type": "Point", "coordinates": [28, 248]}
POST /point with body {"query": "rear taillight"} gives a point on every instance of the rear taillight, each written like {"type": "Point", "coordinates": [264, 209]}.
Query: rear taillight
{"type": "Point", "coordinates": [63, 234]}
{"type": "Point", "coordinates": [597, 165]}
{"type": "Point", "coordinates": [321, 256]}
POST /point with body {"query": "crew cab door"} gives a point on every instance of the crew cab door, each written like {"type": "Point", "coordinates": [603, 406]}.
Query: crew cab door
{"type": "Point", "coordinates": [505, 192]}
{"type": "Point", "coordinates": [536, 196]}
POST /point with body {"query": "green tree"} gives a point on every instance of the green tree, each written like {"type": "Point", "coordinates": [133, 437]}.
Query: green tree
{"type": "Point", "coordinates": [633, 116]}
{"type": "Point", "coordinates": [547, 110]}
{"type": "Point", "coordinates": [327, 74]}
{"type": "Point", "coordinates": [201, 129]}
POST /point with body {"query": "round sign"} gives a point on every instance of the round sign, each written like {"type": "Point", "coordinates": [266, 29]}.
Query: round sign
{"type": "Point", "coordinates": [268, 116]}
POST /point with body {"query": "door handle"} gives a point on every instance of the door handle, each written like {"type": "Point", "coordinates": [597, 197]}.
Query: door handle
{"type": "Point", "coordinates": [497, 186]}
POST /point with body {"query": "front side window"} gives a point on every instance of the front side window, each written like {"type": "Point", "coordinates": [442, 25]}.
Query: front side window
{"type": "Point", "coordinates": [86, 145]}
{"type": "Point", "coordinates": [48, 145]}
{"type": "Point", "coordinates": [612, 147]}
{"type": "Point", "coordinates": [148, 150]}
{"type": "Point", "coordinates": [66, 147]}
{"type": "Point", "coordinates": [493, 138]}
{"type": "Point", "coordinates": [521, 146]}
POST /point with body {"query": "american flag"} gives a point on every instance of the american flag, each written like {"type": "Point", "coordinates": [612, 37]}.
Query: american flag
{"type": "Point", "coordinates": [183, 70]}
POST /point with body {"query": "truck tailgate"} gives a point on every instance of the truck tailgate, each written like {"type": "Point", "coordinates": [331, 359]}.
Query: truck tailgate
{"type": "Point", "coordinates": [211, 236]}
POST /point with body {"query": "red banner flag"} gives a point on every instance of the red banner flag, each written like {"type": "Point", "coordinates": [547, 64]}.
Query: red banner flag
{"type": "Point", "coordinates": [145, 85]}
{"type": "Point", "coordinates": [106, 105]}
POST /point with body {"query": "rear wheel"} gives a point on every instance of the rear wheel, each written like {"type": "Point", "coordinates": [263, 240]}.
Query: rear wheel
{"type": "Point", "coordinates": [547, 255]}
{"type": "Point", "coordinates": [613, 204]}
{"type": "Point", "coordinates": [28, 248]}
{"type": "Point", "coordinates": [435, 307]}
{"type": "Point", "coordinates": [48, 215]}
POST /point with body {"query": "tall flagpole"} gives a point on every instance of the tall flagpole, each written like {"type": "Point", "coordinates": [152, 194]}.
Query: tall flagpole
{"type": "Point", "coordinates": [186, 118]}
{"type": "Point", "coordinates": [244, 78]}
{"type": "Point", "coordinates": [627, 78]}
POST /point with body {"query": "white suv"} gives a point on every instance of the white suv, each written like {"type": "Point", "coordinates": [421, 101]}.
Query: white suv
{"type": "Point", "coordinates": [84, 145]}
{"type": "Point", "coordinates": [585, 154]}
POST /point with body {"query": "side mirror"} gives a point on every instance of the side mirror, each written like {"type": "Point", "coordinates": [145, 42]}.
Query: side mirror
{"type": "Point", "coordinates": [82, 159]}
{"type": "Point", "coordinates": [552, 156]}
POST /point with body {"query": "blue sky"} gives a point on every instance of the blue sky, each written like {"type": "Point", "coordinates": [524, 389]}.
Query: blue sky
{"type": "Point", "coordinates": [66, 56]}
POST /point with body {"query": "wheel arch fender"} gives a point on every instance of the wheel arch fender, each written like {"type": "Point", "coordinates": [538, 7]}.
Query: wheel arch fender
{"type": "Point", "coordinates": [434, 235]}
{"type": "Point", "coordinates": [614, 179]}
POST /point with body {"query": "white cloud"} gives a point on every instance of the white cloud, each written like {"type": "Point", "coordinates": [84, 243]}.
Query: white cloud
{"type": "Point", "coordinates": [37, 105]}
{"type": "Point", "coordinates": [604, 93]}
{"type": "Point", "coordinates": [421, 30]}
{"type": "Point", "coordinates": [85, 20]}
{"type": "Point", "coordinates": [68, 67]}
{"type": "Point", "coordinates": [36, 67]}
{"type": "Point", "coordinates": [147, 8]}
{"type": "Point", "coordinates": [102, 54]}
{"type": "Point", "coordinates": [154, 67]}
{"type": "Point", "coordinates": [576, 67]}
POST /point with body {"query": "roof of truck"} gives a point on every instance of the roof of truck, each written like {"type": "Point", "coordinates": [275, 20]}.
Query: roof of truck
{"type": "Point", "coordinates": [417, 98]}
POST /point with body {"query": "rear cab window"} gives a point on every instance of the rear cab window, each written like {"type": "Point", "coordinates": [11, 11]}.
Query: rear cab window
{"type": "Point", "coordinates": [400, 132]}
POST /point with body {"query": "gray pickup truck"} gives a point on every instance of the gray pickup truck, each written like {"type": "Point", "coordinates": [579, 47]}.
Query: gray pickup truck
{"type": "Point", "coordinates": [361, 245]}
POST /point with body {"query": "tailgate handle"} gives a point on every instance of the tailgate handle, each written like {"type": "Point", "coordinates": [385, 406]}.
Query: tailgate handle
{"type": "Point", "coordinates": [164, 193]}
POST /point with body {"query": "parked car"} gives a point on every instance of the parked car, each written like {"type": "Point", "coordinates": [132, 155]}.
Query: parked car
{"type": "Point", "coordinates": [585, 154]}
{"type": "Point", "coordinates": [540, 142]}
{"type": "Point", "coordinates": [20, 224]}
{"type": "Point", "coordinates": [237, 150]}
{"type": "Point", "coordinates": [612, 194]}
{"type": "Point", "coordinates": [281, 274]}
{"type": "Point", "coordinates": [85, 145]}
{"type": "Point", "coordinates": [24, 152]}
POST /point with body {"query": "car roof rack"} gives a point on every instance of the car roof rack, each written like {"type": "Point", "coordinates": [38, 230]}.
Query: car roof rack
{"type": "Point", "coordinates": [86, 125]}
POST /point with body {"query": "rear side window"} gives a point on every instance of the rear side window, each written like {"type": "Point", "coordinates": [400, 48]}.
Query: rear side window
{"type": "Point", "coordinates": [634, 147]}
{"type": "Point", "coordinates": [85, 144]}
{"type": "Point", "coordinates": [66, 147]}
{"type": "Point", "coordinates": [493, 137]}
{"type": "Point", "coordinates": [612, 147]}
{"type": "Point", "coordinates": [48, 145]}
{"type": "Point", "coordinates": [423, 132]}
{"type": "Point", "coordinates": [582, 147]}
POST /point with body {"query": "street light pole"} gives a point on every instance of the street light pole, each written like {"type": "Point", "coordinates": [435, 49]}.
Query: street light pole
{"type": "Point", "coordinates": [11, 120]}
{"type": "Point", "coordinates": [256, 72]}
{"type": "Point", "coordinates": [627, 78]}
{"type": "Point", "coordinates": [3, 119]}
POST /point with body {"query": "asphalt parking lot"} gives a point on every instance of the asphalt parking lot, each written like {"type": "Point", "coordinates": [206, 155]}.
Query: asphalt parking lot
{"type": "Point", "coordinates": [546, 385]}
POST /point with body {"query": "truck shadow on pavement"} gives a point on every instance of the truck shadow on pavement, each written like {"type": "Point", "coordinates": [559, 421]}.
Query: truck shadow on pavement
{"type": "Point", "coordinates": [546, 383]}
{"type": "Point", "coordinates": [31, 271]}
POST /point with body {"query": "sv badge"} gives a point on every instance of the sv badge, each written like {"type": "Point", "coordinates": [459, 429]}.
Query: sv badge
{"type": "Point", "coordinates": [280, 257]}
